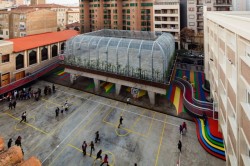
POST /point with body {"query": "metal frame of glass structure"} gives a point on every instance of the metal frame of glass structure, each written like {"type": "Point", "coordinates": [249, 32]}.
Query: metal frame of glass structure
{"type": "Point", "coordinates": [139, 54]}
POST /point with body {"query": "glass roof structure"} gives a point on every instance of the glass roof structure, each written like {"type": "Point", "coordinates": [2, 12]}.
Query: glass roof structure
{"type": "Point", "coordinates": [140, 54]}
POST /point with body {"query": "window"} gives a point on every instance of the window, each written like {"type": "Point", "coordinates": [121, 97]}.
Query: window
{"type": "Point", "coordinates": [191, 1]}
{"type": "Point", "coordinates": [191, 9]}
{"type": "Point", "coordinates": [191, 16]}
{"type": "Point", "coordinates": [44, 53]}
{"type": "Point", "coordinates": [146, 4]}
{"type": "Point", "coordinates": [54, 51]}
{"type": "Point", "coordinates": [19, 61]}
{"type": "Point", "coordinates": [32, 57]}
{"type": "Point", "coordinates": [248, 97]}
{"type": "Point", "coordinates": [7, 32]}
{"type": "Point", "coordinates": [191, 24]}
{"type": "Point", "coordinates": [209, 9]}
{"type": "Point", "coordinates": [5, 58]}
{"type": "Point", "coordinates": [1, 32]}
{"type": "Point", "coordinates": [208, 1]}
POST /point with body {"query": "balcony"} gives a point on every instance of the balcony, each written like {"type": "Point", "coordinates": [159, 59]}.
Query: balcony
{"type": "Point", "coordinates": [226, 4]}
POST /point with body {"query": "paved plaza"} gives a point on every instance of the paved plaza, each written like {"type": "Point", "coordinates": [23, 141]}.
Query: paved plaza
{"type": "Point", "coordinates": [146, 137]}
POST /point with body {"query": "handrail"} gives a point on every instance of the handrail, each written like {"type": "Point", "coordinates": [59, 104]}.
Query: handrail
{"type": "Point", "coordinates": [197, 110]}
{"type": "Point", "coordinates": [26, 79]}
{"type": "Point", "coordinates": [196, 101]}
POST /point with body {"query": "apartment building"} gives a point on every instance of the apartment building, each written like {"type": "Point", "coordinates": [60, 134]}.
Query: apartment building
{"type": "Point", "coordinates": [4, 24]}
{"type": "Point", "coordinates": [227, 67]}
{"type": "Point", "coordinates": [59, 9]}
{"type": "Point", "coordinates": [167, 18]}
{"type": "Point", "coordinates": [31, 21]}
{"type": "Point", "coordinates": [130, 15]}
{"type": "Point", "coordinates": [37, 2]}
{"type": "Point", "coordinates": [72, 16]}
{"type": "Point", "coordinates": [241, 5]}
{"type": "Point", "coordinates": [195, 12]}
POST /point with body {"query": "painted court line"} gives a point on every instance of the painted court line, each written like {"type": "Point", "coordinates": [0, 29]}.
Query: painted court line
{"type": "Point", "coordinates": [120, 109]}
{"type": "Point", "coordinates": [159, 148]}
{"type": "Point", "coordinates": [75, 136]}
{"type": "Point", "coordinates": [90, 112]}
{"type": "Point", "coordinates": [30, 125]}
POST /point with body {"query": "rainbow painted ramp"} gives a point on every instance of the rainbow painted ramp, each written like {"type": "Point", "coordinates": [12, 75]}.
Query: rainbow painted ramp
{"type": "Point", "coordinates": [209, 142]}
{"type": "Point", "coordinates": [174, 95]}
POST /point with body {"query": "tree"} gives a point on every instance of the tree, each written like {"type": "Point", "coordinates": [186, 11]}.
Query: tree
{"type": "Point", "coordinates": [187, 35]}
{"type": "Point", "coordinates": [76, 29]}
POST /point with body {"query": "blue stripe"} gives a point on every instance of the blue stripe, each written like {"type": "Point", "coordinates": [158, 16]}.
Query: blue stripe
{"type": "Point", "coordinates": [169, 91]}
{"type": "Point", "coordinates": [202, 93]}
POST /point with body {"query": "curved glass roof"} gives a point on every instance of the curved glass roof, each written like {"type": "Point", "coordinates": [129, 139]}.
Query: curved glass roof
{"type": "Point", "coordinates": [141, 54]}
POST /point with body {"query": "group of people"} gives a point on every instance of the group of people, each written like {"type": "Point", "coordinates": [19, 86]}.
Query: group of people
{"type": "Point", "coordinates": [18, 142]}
{"type": "Point", "coordinates": [92, 148]}
{"type": "Point", "coordinates": [182, 129]}
{"type": "Point", "coordinates": [65, 108]}
{"type": "Point", "coordinates": [12, 104]}
{"type": "Point", "coordinates": [48, 90]}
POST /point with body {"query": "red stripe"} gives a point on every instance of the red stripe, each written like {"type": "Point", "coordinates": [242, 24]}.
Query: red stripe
{"type": "Point", "coordinates": [172, 94]}
{"type": "Point", "coordinates": [180, 103]}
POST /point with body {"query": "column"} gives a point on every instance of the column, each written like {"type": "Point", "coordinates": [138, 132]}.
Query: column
{"type": "Point", "coordinates": [72, 78]}
{"type": "Point", "coordinates": [117, 89]}
{"type": "Point", "coordinates": [97, 84]}
{"type": "Point", "coordinates": [151, 96]}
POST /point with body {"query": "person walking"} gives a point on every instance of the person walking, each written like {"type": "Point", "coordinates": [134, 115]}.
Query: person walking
{"type": "Point", "coordinates": [18, 141]}
{"type": "Point", "coordinates": [15, 94]}
{"type": "Point", "coordinates": [57, 111]}
{"type": "Point", "coordinates": [179, 145]}
{"type": "Point", "coordinates": [121, 119]}
{"type": "Point", "coordinates": [62, 109]}
{"type": "Point", "coordinates": [66, 106]}
{"type": "Point", "coordinates": [184, 126]}
{"type": "Point", "coordinates": [9, 143]}
{"type": "Point", "coordinates": [53, 88]}
{"type": "Point", "coordinates": [10, 105]}
{"type": "Point", "coordinates": [14, 104]}
{"type": "Point", "coordinates": [84, 148]}
{"type": "Point", "coordinates": [23, 117]}
{"type": "Point", "coordinates": [99, 155]}
{"type": "Point", "coordinates": [97, 137]}
{"type": "Point", "coordinates": [181, 129]}
{"type": "Point", "coordinates": [92, 148]}
{"type": "Point", "coordinates": [105, 160]}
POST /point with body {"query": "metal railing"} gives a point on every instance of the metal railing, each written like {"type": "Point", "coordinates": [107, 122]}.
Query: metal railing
{"type": "Point", "coordinates": [29, 78]}
{"type": "Point", "coordinates": [196, 101]}
{"type": "Point", "coordinates": [194, 109]}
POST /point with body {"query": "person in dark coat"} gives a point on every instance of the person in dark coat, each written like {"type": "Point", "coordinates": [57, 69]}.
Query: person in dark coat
{"type": "Point", "coordinates": [97, 137]}
{"type": "Point", "coordinates": [92, 147]}
{"type": "Point", "coordinates": [121, 119]}
{"type": "Point", "coordinates": [18, 141]}
{"type": "Point", "coordinates": [179, 145]}
{"type": "Point", "coordinates": [84, 148]}
{"type": "Point", "coordinates": [14, 104]}
{"type": "Point", "coordinates": [57, 111]}
{"type": "Point", "coordinates": [99, 155]}
{"type": "Point", "coordinates": [10, 105]}
{"type": "Point", "coordinates": [9, 143]}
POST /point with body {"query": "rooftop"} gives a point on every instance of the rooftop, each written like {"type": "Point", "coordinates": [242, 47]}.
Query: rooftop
{"type": "Point", "coordinates": [52, 5]}
{"type": "Point", "coordinates": [33, 41]}
{"type": "Point", "coordinates": [141, 35]}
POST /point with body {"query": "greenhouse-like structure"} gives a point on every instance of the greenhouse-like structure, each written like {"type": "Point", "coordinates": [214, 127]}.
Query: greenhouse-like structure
{"type": "Point", "coordinates": [140, 54]}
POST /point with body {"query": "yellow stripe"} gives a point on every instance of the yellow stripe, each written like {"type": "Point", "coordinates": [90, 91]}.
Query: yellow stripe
{"type": "Point", "coordinates": [177, 98]}
{"type": "Point", "coordinates": [159, 148]}
{"type": "Point", "coordinates": [204, 136]}
{"type": "Point", "coordinates": [192, 76]}
{"type": "Point", "coordinates": [44, 132]}
{"type": "Point", "coordinates": [61, 73]}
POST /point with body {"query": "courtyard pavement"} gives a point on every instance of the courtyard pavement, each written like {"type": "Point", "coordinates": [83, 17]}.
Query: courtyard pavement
{"type": "Point", "coordinates": [146, 137]}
